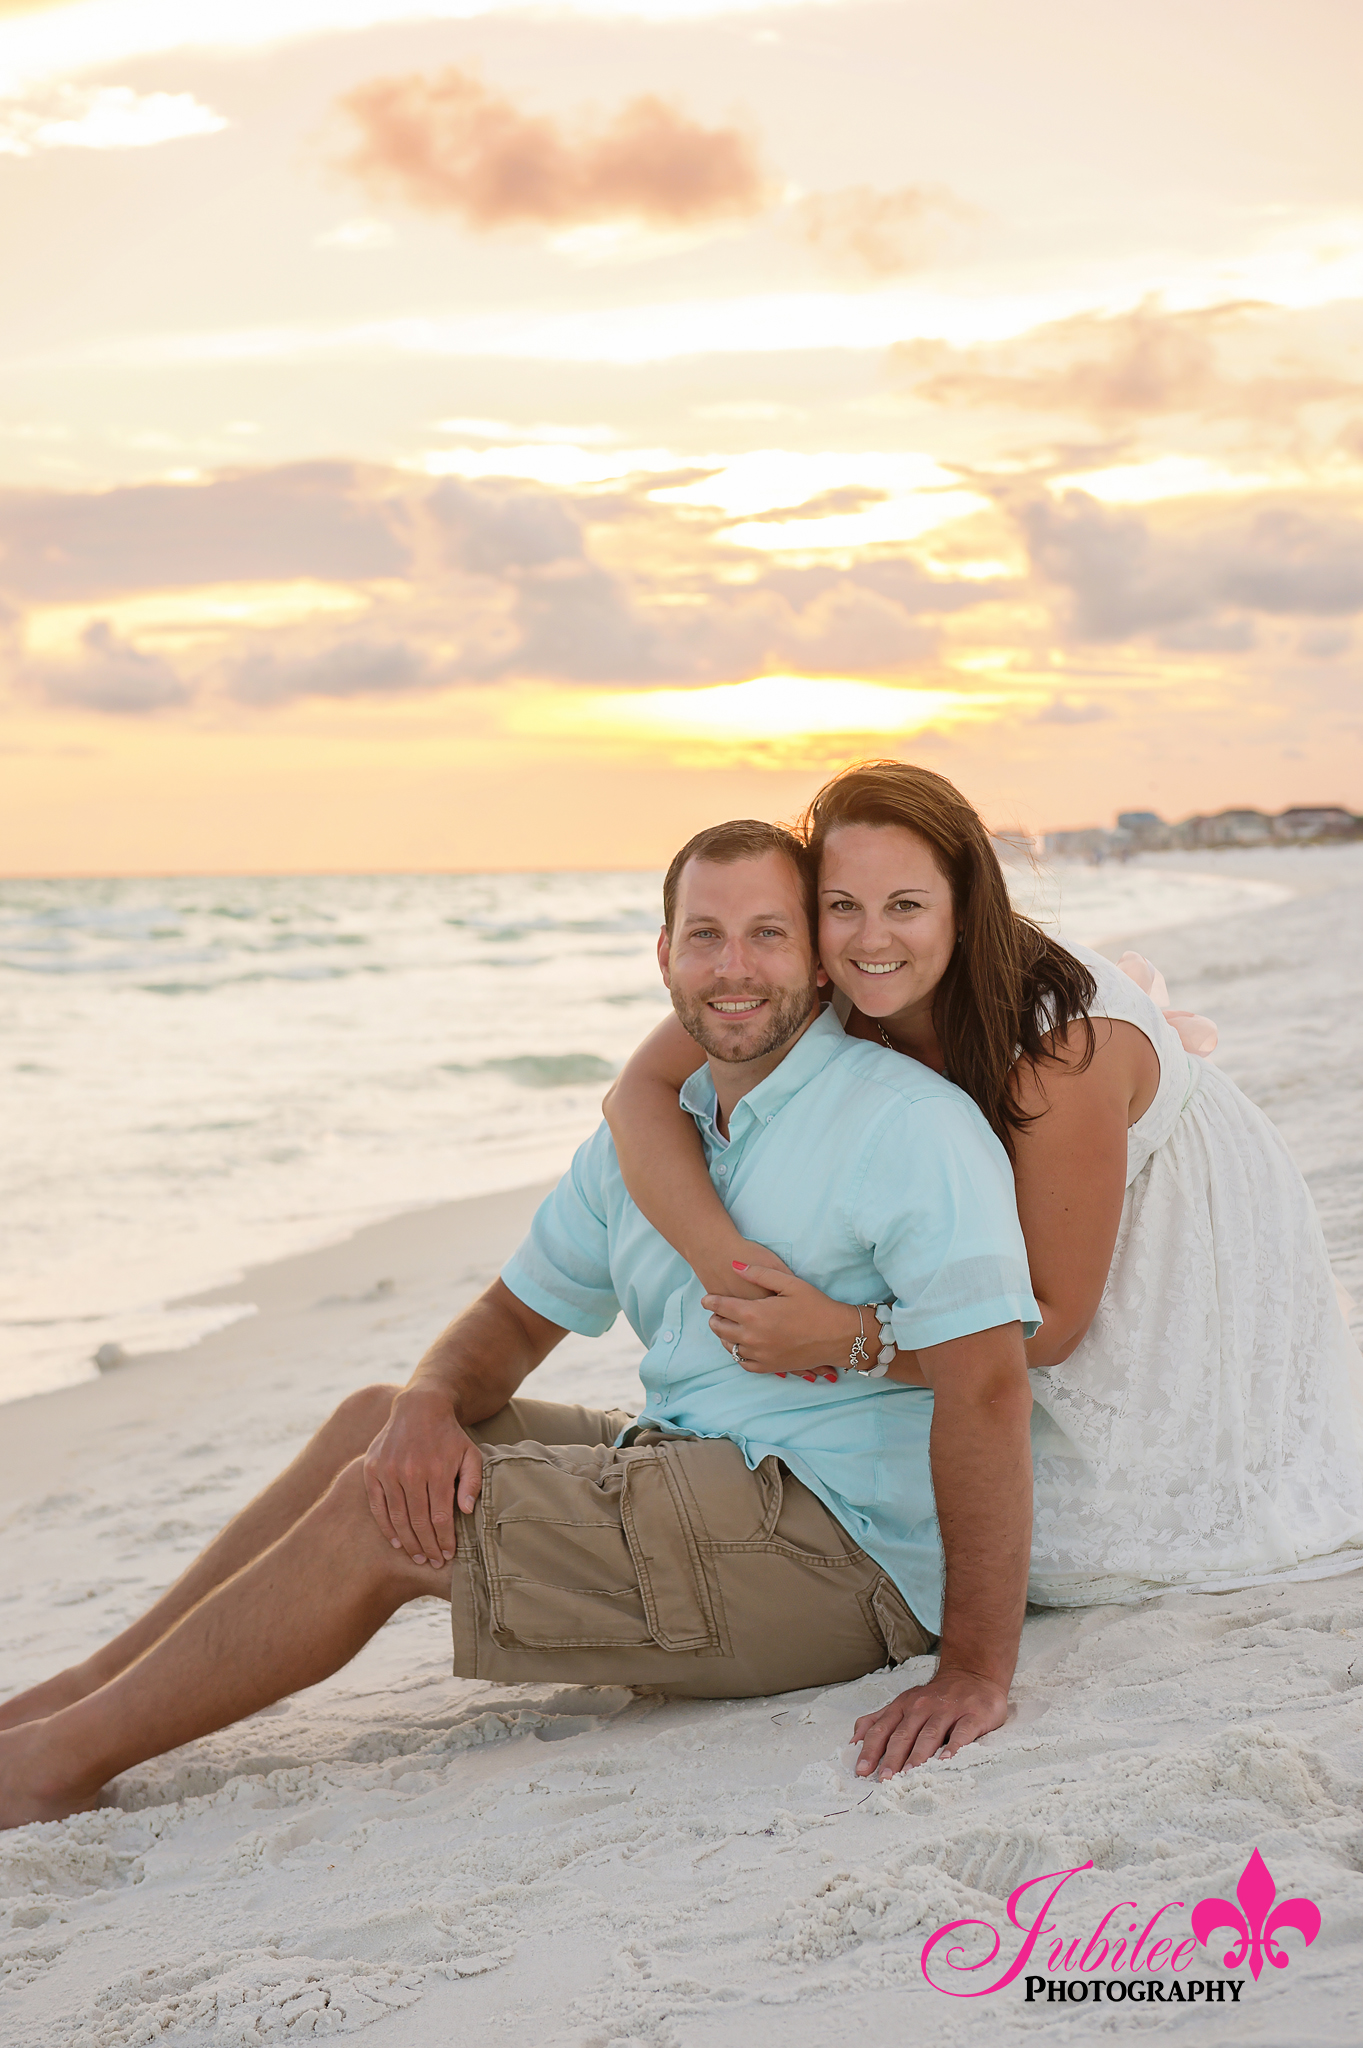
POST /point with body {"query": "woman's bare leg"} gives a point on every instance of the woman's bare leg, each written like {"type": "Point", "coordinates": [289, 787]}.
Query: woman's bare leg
{"type": "Point", "coordinates": [345, 1435]}
{"type": "Point", "coordinates": [285, 1621]}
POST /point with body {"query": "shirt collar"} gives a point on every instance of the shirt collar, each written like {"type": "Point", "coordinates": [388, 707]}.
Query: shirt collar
{"type": "Point", "coordinates": [808, 1056]}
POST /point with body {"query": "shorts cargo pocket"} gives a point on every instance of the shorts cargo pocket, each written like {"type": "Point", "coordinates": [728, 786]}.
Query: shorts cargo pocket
{"type": "Point", "coordinates": [904, 1634]}
{"type": "Point", "coordinates": [663, 1542]}
{"type": "Point", "coordinates": [559, 1572]}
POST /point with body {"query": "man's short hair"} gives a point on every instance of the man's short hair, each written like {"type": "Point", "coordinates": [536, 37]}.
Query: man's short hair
{"type": "Point", "coordinates": [743, 839]}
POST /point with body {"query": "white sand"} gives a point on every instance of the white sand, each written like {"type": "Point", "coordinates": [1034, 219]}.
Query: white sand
{"type": "Point", "coordinates": [404, 1852]}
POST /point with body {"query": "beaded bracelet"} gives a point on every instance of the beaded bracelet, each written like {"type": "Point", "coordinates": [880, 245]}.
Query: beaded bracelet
{"type": "Point", "coordinates": [885, 1356]}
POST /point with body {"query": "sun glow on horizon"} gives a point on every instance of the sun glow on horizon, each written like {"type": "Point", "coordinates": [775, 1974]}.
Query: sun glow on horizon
{"type": "Point", "coordinates": [776, 708]}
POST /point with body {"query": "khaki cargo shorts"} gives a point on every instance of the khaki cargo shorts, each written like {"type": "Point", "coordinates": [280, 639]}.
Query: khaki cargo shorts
{"type": "Point", "coordinates": [666, 1564]}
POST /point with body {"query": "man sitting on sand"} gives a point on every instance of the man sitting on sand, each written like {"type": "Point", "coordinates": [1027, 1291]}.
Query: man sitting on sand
{"type": "Point", "coordinates": [748, 1534]}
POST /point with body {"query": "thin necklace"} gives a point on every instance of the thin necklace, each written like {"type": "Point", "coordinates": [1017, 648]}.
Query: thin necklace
{"type": "Point", "coordinates": [890, 1046]}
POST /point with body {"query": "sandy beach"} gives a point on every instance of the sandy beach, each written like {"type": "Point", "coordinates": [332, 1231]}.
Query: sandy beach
{"type": "Point", "coordinates": [420, 1857]}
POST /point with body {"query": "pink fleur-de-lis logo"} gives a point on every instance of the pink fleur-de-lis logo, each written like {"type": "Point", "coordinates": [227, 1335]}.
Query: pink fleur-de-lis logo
{"type": "Point", "coordinates": [1260, 1921]}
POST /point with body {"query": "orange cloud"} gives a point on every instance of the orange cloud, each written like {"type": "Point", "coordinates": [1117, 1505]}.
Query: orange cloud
{"type": "Point", "coordinates": [1113, 367]}
{"type": "Point", "coordinates": [884, 233]}
{"type": "Point", "coordinates": [447, 144]}
{"type": "Point", "coordinates": [1121, 367]}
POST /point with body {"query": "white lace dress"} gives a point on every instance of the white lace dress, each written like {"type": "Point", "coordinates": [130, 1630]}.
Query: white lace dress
{"type": "Point", "coordinates": [1203, 1434]}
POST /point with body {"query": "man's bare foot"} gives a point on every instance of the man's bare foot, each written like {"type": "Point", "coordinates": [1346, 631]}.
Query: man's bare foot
{"type": "Point", "coordinates": [29, 1788]}
{"type": "Point", "coordinates": [48, 1698]}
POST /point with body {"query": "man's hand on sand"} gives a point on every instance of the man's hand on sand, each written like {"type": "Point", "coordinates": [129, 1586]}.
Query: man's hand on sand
{"type": "Point", "coordinates": [417, 1466]}
{"type": "Point", "coordinates": [954, 1708]}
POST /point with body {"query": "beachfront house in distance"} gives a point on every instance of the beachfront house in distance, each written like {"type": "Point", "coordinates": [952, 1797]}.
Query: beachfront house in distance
{"type": "Point", "coordinates": [1147, 832]}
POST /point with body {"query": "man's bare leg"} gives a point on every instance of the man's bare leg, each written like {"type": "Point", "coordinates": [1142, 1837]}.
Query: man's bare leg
{"type": "Point", "coordinates": [347, 1434]}
{"type": "Point", "coordinates": [286, 1621]}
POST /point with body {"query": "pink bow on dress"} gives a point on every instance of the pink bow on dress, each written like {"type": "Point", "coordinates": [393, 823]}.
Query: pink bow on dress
{"type": "Point", "coordinates": [1197, 1033]}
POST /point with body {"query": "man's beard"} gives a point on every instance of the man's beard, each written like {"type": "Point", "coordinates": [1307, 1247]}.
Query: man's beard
{"type": "Point", "coordinates": [787, 1009]}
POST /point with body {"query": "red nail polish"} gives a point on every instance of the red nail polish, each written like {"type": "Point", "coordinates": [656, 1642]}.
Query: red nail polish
{"type": "Point", "coordinates": [739, 1265]}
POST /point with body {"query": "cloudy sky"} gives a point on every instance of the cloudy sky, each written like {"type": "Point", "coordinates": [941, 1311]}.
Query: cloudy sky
{"type": "Point", "coordinates": [472, 434]}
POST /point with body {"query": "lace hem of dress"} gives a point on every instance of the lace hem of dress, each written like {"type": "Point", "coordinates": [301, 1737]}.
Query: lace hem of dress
{"type": "Point", "coordinates": [1090, 1589]}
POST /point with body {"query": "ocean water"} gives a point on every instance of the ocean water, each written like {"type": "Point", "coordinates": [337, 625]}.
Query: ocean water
{"type": "Point", "coordinates": [202, 1075]}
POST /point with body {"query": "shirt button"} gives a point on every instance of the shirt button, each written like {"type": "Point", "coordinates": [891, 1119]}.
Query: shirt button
{"type": "Point", "coordinates": [667, 1336]}
{"type": "Point", "coordinates": [724, 1169]}
{"type": "Point", "coordinates": [769, 1118]}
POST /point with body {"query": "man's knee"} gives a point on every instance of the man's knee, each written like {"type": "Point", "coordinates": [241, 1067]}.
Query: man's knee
{"type": "Point", "coordinates": [344, 1523]}
{"type": "Point", "coordinates": [361, 1415]}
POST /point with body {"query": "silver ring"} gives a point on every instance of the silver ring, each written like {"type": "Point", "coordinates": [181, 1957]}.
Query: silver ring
{"type": "Point", "coordinates": [735, 1354]}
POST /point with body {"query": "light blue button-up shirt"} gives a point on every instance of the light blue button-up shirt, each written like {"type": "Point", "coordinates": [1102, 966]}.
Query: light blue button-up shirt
{"type": "Point", "coordinates": [873, 1178]}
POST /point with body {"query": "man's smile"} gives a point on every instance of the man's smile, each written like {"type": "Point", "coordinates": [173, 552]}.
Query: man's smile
{"type": "Point", "coordinates": [737, 1007]}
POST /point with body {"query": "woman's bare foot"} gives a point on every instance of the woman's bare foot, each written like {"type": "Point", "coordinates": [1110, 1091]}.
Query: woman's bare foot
{"type": "Point", "coordinates": [48, 1698]}
{"type": "Point", "coordinates": [30, 1789]}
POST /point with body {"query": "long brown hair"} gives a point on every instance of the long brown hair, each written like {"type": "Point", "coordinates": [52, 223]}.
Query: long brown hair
{"type": "Point", "coordinates": [1008, 982]}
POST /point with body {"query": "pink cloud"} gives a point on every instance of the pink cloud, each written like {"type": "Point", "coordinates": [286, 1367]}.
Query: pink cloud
{"type": "Point", "coordinates": [446, 144]}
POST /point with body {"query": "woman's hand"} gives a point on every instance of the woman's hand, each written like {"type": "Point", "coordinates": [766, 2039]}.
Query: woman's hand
{"type": "Point", "coordinates": [748, 1260]}
{"type": "Point", "coordinates": [792, 1329]}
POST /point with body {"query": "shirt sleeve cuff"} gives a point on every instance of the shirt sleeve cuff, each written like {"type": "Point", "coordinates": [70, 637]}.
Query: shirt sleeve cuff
{"type": "Point", "coordinates": [918, 1332]}
{"type": "Point", "coordinates": [586, 1319]}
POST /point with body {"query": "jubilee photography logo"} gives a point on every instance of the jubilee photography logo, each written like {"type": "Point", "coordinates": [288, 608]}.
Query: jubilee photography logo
{"type": "Point", "coordinates": [1153, 1969]}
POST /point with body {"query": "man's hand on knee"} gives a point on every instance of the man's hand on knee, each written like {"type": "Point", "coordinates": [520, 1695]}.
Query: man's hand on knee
{"type": "Point", "coordinates": [952, 1709]}
{"type": "Point", "coordinates": [419, 1465]}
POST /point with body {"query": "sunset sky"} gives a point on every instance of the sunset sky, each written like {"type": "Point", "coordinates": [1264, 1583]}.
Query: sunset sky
{"type": "Point", "coordinates": [462, 435]}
